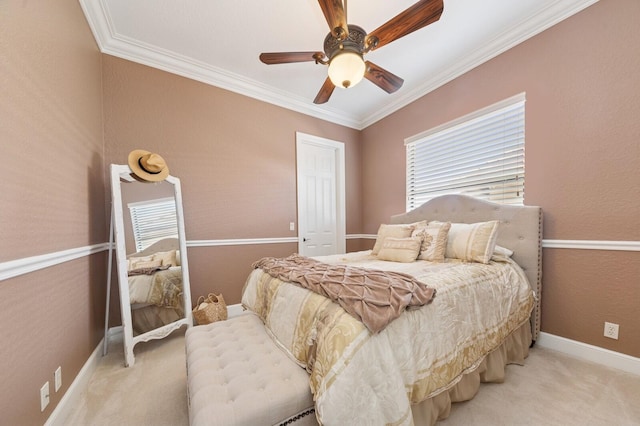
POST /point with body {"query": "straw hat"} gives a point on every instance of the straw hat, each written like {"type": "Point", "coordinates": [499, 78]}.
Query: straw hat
{"type": "Point", "coordinates": [148, 166]}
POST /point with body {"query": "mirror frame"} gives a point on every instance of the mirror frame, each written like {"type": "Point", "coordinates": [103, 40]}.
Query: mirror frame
{"type": "Point", "coordinates": [117, 211]}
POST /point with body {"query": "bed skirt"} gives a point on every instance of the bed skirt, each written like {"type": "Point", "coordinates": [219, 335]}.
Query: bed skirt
{"type": "Point", "coordinates": [513, 350]}
{"type": "Point", "coordinates": [151, 317]}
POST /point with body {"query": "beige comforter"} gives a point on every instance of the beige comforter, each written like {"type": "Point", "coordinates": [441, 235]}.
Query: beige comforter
{"type": "Point", "coordinates": [418, 355]}
{"type": "Point", "coordinates": [162, 288]}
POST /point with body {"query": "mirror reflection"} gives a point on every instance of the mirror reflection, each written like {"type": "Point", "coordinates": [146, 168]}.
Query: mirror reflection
{"type": "Point", "coordinates": [154, 271]}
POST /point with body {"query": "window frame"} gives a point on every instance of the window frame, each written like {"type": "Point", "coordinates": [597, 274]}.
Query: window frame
{"type": "Point", "coordinates": [448, 140]}
{"type": "Point", "coordinates": [160, 211]}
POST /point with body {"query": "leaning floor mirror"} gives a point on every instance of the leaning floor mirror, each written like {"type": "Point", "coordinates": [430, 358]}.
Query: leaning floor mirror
{"type": "Point", "coordinates": [151, 255]}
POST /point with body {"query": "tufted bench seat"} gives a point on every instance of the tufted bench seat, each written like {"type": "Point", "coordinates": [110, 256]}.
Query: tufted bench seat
{"type": "Point", "coordinates": [238, 376]}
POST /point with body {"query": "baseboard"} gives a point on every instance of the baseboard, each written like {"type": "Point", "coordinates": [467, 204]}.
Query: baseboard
{"type": "Point", "coordinates": [71, 397]}
{"type": "Point", "coordinates": [69, 400]}
{"type": "Point", "coordinates": [569, 347]}
{"type": "Point", "coordinates": [591, 353]}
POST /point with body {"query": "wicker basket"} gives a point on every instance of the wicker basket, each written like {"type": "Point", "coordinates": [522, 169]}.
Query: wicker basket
{"type": "Point", "coordinates": [210, 309]}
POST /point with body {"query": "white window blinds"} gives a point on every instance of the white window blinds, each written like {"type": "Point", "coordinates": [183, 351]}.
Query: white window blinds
{"type": "Point", "coordinates": [481, 155]}
{"type": "Point", "coordinates": [153, 220]}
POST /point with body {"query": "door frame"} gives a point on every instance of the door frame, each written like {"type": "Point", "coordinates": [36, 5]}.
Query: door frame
{"type": "Point", "coordinates": [338, 149]}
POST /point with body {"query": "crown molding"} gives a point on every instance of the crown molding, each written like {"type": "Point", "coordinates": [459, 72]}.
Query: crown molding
{"type": "Point", "coordinates": [111, 43]}
{"type": "Point", "coordinates": [518, 33]}
{"type": "Point", "coordinates": [114, 44]}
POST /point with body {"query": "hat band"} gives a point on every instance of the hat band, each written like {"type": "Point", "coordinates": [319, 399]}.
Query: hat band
{"type": "Point", "coordinates": [146, 170]}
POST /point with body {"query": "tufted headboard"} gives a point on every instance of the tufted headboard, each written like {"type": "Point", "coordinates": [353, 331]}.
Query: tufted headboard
{"type": "Point", "coordinates": [520, 230]}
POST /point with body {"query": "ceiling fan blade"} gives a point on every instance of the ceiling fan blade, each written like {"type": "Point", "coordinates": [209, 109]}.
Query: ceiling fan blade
{"type": "Point", "coordinates": [289, 57]}
{"type": "Point", "coordinates": [382, 78]}
{"type": "Point", "coordinates": [336, 17]}
{"type": "Point", "coordinates": [419, 15]}
{"type": "Point", "coordinates": [325, 92]}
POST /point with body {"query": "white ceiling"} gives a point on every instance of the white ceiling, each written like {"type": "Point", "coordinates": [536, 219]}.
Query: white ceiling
{"type": "Point", "coordinates": [218, 42]}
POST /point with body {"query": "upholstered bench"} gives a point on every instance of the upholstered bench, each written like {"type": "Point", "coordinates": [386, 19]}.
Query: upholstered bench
{"type": "Point", "coordinates": [238, 376]}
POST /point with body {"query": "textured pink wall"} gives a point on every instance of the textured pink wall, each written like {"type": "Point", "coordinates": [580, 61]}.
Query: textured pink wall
{"type": "Point", "coordinates": [52, 199]}
{"type": "Point", "coordinates": [582, 159]}
{"type": "Point", "coordinates": [235, 158]}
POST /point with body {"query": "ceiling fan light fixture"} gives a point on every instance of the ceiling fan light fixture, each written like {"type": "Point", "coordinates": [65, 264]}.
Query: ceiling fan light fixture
{"type": "Point", "coordinates": [346, 69]}
{"type": "Point", "coordinates": [346, 44]}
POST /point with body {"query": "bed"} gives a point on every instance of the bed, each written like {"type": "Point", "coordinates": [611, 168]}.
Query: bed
{"type": "Point", "coordinates": [372, 361]}
{"type": "Point", "coordinates": [155, 286]}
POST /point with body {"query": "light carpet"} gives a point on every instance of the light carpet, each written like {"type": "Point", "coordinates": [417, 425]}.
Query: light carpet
{"type": "Point", "coordinates": [551, 389]}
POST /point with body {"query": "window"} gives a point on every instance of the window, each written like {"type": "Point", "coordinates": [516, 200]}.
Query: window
{"type": "Point", "coordinates": [153, 220]}
{"type": "Point", "coordinates": [481, 155]}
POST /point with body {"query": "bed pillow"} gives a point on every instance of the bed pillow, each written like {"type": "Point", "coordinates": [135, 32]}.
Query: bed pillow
{"type": "Point", "coordinates": [146, 265]}
{"type": "Point", "coordinates": [395, 231]}
{"type": "Point", "coordinates": [472, 242]}
{"type": "Point", "coordinates": [501, 254]}
{"type": "Point", "coordinates": [133, 261]}
{"type": "Point", "coordinates": [434, 240]}
{"type": "Point", "coordinates": [400, 249]}
{"type": "Point", "coordinates": [168, 258]}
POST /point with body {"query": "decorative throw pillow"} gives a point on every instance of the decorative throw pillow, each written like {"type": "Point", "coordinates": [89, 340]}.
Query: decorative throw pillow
{"type": "Point", "coordinates": [472, 242]}
{"type": "Point", "coordinates": [434, 243]}
{"type": "Point", "coordinates": [400, 249]}
{"type": "Point", "coordinates": [421, 224]}
{"type": "Point", "coordinates": [168, 258]}
{"type": "Point", "coordinates": [425, 238]}
{"type": "Point", "coordinates": [395, 231]}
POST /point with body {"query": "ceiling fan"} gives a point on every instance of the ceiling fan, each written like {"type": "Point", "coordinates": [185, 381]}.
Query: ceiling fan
{"type": "Point", "coordinates": [346, 45]}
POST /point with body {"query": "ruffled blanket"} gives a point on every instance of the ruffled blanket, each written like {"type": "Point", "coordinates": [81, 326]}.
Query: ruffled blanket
{"type": "Point", "coordinates": [375, 297]}
{"type": "Point", "coordinates": [147, 271]}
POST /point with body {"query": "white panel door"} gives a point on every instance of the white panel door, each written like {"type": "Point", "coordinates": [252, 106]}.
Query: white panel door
{"type": "Point", "coordinates": [320, 200]}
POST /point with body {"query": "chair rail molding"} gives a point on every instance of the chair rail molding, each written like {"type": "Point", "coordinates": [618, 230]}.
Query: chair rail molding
{"type": "Point", "coordinates": [561, 244]}
{"type": "Point", "coordinates": [592, 245]}
{"type": "Point", "coordinates": [240, 241]}
{"type": "Point", "coordinates": [14, 268]}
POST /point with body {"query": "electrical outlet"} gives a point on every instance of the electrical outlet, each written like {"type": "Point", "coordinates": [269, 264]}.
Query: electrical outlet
{"type": "Point", "coordinates": [58, 379]}
{"type": "Point", "coordinates": [44, 396]}
{"type": "Point", "coordinates": [292, 226]}
{"type": "Point", "coordinates": [611, 330]}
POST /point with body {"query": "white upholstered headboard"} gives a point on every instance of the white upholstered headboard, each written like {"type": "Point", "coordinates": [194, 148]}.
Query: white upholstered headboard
{"type": "Point", "coordinates": [165, 244]}
{"type": "Point", "coordinates": [520, 230]}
